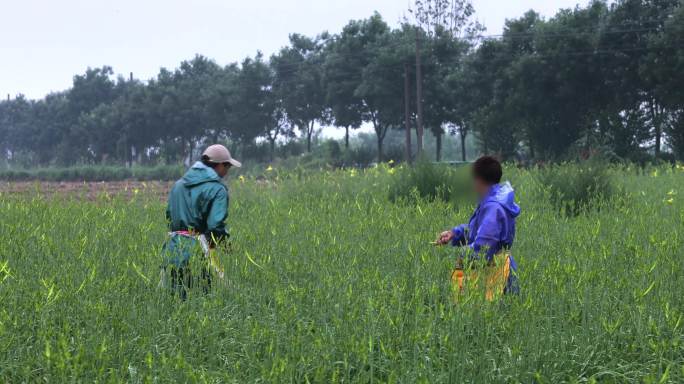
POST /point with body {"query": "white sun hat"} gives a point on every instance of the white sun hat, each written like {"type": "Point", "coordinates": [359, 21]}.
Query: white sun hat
{"type": "Point", "coordinates": [217, 153]}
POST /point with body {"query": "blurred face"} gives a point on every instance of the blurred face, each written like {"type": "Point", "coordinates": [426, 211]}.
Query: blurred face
{"type": "Point", "coordinates": [481, 187]}
{"type": "Point", "coordinates": [222, 169]}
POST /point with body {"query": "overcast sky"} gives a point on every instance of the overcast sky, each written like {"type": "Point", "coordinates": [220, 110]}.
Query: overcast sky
{"type": "Point", "coordinates": [45, 42]}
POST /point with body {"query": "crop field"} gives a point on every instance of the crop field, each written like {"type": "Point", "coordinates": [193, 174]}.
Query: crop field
{"type": "Point", "coordinates": [328, 281]}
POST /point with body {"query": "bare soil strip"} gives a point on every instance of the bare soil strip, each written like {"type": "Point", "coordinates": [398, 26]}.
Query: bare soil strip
{"type": "Point", "coordinates": [87, 190]}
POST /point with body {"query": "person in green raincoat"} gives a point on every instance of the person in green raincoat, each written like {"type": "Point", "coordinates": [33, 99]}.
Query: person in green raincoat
{"type": "Point", "coordinates": [197, 211]}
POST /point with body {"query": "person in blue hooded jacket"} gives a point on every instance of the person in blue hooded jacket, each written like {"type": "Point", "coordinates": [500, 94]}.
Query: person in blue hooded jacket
{"type": "Point", "coordinates": [197, 211]}
{"type": "Point", "coordinates": [490, 233]}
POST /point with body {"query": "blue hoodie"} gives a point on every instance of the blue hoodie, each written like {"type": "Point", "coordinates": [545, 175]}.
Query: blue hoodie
{"type": "Point", "coordinates": [492, 225]}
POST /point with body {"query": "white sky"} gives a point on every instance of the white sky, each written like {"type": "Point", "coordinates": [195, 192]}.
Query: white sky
{"type": "Point", "coordinates": [45, 42]}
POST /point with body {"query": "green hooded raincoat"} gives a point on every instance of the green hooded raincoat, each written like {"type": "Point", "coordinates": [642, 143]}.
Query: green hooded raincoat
{"type": "Point", "coordinates": [198, 202]}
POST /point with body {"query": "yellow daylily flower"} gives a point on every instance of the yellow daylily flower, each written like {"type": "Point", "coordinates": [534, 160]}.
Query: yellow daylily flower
{"type": "Point", "coordinates": [269, 169]}
{"type": "Point", "coordinates": [672, 192]}
{"type": "Point", "coordinates": [670, 201]}
{"type": "Point", "coordinates": [390, 162]}
{"type": "Point", "coordinates": [242, 178]}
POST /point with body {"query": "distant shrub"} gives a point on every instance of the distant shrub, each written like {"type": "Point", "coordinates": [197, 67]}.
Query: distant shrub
{"type": "Point", "coordinates": [395, 152]}
{"type": "Point", "coordinates": [333, 150]}
{"type": "Point", "coordinates": [360, 156]}
{"type": "Point", "coordinates": [291, 148]}
{"type": "Point", "coordinates": [431, 181]}
{"type": "Point", "coordinates": [159, 172]}
{"type": "Point", "coordinates": [94, 173]}
{"type": "Point", "coordinates": [575, 187]}
{"type": "Point", "coordinates": [14, 175]}
{"type": "Point", "coordinates": [255, 152]}
{"type": "Point", "coordinates": [327, 154]}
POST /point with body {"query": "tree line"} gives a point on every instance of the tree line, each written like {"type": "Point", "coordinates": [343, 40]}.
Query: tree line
{"type": "Point", "coordinates": [605, 76]}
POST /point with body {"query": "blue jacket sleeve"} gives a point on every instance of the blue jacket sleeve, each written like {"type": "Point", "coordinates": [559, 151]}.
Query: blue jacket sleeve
{"type": "Point", "coordinates": [488, 234]}
{"type": "Point", "coordinates": [459, 238]}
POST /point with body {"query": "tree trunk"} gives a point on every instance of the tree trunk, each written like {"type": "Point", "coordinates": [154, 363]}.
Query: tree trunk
{"type": "Point", "coordinates": [346, 137]}
{"type": "Point", "coordinates": [463, 146]}
{"type": "Point", "coordinates": [272, 148]}
{"type": "Point", "coordinates": [658, 133]}
{"type": "Point", "coordinates": [438, 138]}
{"type": "Point", "coordinates": [380, 155]}
{"type": "Point", "coordinates": [309, 133]}
{"type": "Point", "coordinates": [655, 118]}
{"type": "Point", "coordinates": [190, 150]}
{"type": "Point", "coordinates": [407, 113]}
{"type": "Point", "coordinates": [380, 134]}
{"type": "Point", "coordinates": [125, 150]}
{"type": "Point", "coordinates": [419, 97]}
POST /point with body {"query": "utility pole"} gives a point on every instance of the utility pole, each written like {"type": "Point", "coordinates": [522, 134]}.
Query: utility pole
{"type": "Point", "coordinates": [407, 114]}
{"type": "Point", "coordinates": [128, 149]}
{"type": "Point", "coordinates": [419, 96]}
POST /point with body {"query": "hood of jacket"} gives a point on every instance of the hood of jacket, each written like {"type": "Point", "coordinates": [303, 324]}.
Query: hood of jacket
{"type": "Point", "coordinates": [200, 174]}
{"type": "Point", "coordinates": [504, 195]}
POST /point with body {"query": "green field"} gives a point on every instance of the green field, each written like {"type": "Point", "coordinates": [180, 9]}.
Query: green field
{"type": "Point", "coordinates": [329, 281]}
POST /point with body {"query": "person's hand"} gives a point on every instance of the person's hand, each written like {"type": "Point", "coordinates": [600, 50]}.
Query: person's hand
{"type": "Point", "coordinates": [445, 237]}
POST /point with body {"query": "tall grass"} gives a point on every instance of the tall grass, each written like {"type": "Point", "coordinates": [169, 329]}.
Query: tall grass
{"type": "Point", "coordinates": [329, 282]}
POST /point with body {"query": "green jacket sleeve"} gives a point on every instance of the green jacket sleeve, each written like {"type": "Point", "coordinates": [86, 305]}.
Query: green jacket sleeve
{"type": "Point", "coordinates": [168, 211]}
{"type": "Point", "coordinates": [217, 215]}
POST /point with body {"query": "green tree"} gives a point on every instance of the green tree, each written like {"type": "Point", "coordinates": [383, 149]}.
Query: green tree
{"type": "Point", "coordinates": [15, 127]}
{"type": "Point", "coordinates": [49, 122]}
{"type": "Point", "coordinates": [667, 66]}
{"type": "Point", "coordinates": [298, 83]}
{"type": "Point", "coordinates": [382, 82]}
{"type": "Point", "coordinates": [443, 56]}
{"type": "Point", "coordinates": [443, 28]}
{"type": "Point", "coordinates": [632, 34]}
{"type": "Point", "coordinates": [342, 71]}
{"type": "Point", "coordinates": [88, 91]}
{"type": "Point", "coordinates": [187, 95]}
{"type": "Point", "coordinates": [256, 106]}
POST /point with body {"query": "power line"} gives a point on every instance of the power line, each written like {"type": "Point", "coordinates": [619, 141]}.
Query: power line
{"type": "Point", "coordinates": [535, 35]}
{"type": "Point", "coordinates": [575, 31]}
{"type": "Point", "coordinates": [602, 30]}
{"type": "Point", "coordinates": [598, 51]}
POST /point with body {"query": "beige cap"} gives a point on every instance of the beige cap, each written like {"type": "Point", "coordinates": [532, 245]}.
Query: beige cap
{"type": "Point", "coordinates": [217, 153]}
